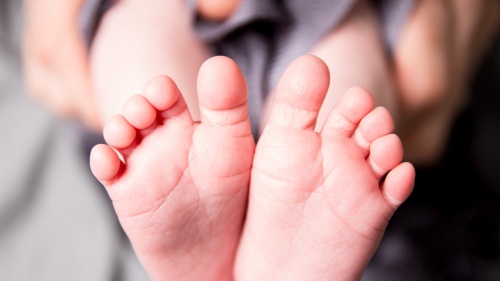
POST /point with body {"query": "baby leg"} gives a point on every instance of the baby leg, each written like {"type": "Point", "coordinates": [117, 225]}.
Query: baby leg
{"type": "Point", "coordinates": [355, 55]}
{"type": "Point", "coordinates": [138, 40]}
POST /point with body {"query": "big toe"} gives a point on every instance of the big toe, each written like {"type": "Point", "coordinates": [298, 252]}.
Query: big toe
{"type": "Point", "coordinates": [300, 94]}
{"type": "Point", "coordinates": [222, 93]}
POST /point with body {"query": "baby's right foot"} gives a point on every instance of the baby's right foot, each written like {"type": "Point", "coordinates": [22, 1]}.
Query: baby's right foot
{"type": "Point", "coordinates": [319, 202]}
{"type": "Point", "coordinates": [180, 193]}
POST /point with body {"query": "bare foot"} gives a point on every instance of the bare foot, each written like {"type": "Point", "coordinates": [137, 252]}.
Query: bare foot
{"type": "Point", "coordinates": [319, 202]}
{"type": "Point", "coordinates": [181, 191]}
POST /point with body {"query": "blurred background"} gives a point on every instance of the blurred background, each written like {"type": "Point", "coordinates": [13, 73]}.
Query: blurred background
{"type": "Point", "coordinates": [449, 229]}
{"type": "Point", "coordinates": [56, 220]}
{"type": "Point", "coordinates": [57, 223]}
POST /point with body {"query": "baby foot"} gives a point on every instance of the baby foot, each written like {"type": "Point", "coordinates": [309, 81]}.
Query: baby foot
{"type": "Point", "coordinates": [180, 192]}
{"type": "Point", "coordinates": [320, 201]}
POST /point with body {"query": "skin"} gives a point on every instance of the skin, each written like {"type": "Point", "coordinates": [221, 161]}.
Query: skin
{"type": "Point", "coordinates": [182, 201]}
{"type": "Point", "coordinates": [435, 59]}
{"type": "Point", "coordinates": [216, 10]}
{"type": "Point", "coordinates": [432, 109]}
{"type": "Point", "coordinates": [145, 51]}
{"type": "Point", "coordinates": [55, 60]}
{"type": "Point", "coordinates": [308, 218]}
{"type": "Point", "coordinates": [195, 214]}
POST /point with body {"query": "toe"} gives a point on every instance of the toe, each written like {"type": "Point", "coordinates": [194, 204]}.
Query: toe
{"type": "Point", "coordinates": [139, 112]}
{"type": "Point", "coordinates": [161, 92]}
{"type": "Point", "coordinates": [352, 107]}
{"type": "Point", "coordinates": [376, 124]}
{"type": "Point", "coordinates": [164, 95]}
{"type": "Point", "coordinates": [398, 184]}
{"type": "Point", "coordinates": [385, 154]}
{"type": "Point", "coordinates": [222, 93]}
{"type": "Point", "coordinates": [104, 163]}
{"type": "Point", "coordinates": [119, 133]}
{"type": "Point", "coordinates": [300, 94]}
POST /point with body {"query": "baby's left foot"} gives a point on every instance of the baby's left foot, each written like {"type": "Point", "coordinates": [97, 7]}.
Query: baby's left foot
{"type": "Point", "coordinates": [319, 202]}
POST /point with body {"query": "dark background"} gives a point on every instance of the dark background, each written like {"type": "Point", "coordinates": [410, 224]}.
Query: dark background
{"type": "Point", "coordinates": [449, 229]}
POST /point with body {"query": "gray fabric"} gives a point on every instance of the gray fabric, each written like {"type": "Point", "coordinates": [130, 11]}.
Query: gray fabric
{"type": "Point", "coordinates": [393, 14]}
{"type": "Point", "coordinates": [265, 36]}
{"type": "Point", "coordinates": [90, 15]}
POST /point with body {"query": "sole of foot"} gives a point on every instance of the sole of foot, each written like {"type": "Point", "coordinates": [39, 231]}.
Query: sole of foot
{"type": "Point", "coordinates": [320, 201]}
{"type": "Point", "coordinates": [179, 187]}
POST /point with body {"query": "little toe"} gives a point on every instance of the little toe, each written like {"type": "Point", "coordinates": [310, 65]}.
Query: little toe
{"type": "Point", "coordinates": [104, 163]}
{"type": "Point", "coordinates": [222, 94]}
{"type": "Point", "coordinates": [300, 94]}
{"type": "Point", "coordinates": [139, 112]}
{"type": "Point", "coordinates": [376, 124]}
{"type": "Point", "coordinates": [398, 184]}
{"type": "Point", "coordinates": [385, 154]}
{"type": "Point", "coordinates": [352, 107]}
{"type": "Point", "coordinates": [119, 133]}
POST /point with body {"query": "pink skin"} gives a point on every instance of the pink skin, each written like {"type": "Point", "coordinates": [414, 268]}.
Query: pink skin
{"type": "Point", "coordinates": [181, 192]}
{"type": "Point", "coordinates": [320, 201]}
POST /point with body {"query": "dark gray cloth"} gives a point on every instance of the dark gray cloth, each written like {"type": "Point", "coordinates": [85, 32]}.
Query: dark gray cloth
{"type": "Point", "coordinates": [265, 36]}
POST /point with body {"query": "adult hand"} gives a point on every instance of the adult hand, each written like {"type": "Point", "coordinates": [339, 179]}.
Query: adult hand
{"type": "Point", "coordinates": [435, 59]}
{"type": "Point", "coordinates": [55, 59]}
